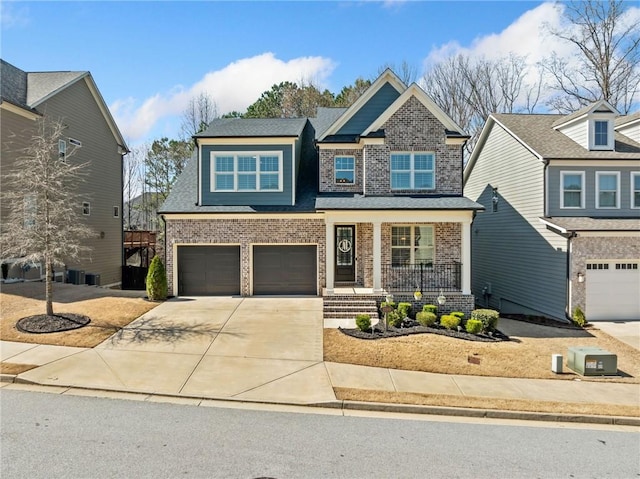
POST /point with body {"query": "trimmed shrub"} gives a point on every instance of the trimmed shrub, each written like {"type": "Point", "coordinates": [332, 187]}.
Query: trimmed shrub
{"type": "Point", "coordinates": [384, 303]}
{"type": "Point", "coordinates": [394, 318]}
{"type": "Point", "coordinates": [430, 308]}
{"type": "Point", "coordinates": [363, 321]}
{"type": "Point", "coordinates": [578, 317]}
{"type": "Point", "coordinates": [459, 314]}
{"type": "Point", "coordinates": [156, 280]}
{"type": "Point", "coordinates": [426, 318]}
{"type": "Point", "coordinates": [474, 326]}
{"type": "Point", "coordinates": [404, 309]}
{"type": "Point", "coordinates": [449, 322]}
{"type": "Point", "coordinates": [489, 318]}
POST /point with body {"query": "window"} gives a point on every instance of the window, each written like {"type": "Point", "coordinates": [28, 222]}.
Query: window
{"type": "Point", "coordinates": [116, 212]}
{"type": "Point", "coordinates": [246, 172]}
{"type": "Point", "coordinates": [86, 208]}
{"type": "Point", "coordinates": [412, 171]}
{"type": "Point", "coordinates": [572, 185]}
{"type": "Point", "coordinates": [62, 149]}
{"type": "Point", "coordinates": [601, 133]}
{"type": "Point", "coordinates": [635, 189]}
{"type": "Point", "coordinates": [30, 210]}
{"type": "Point", "coordinates": [344, 167]}
{"type": "Point", "coordinates": [411, 245]}
{"type": "Point", "coordinates": [608, 186]}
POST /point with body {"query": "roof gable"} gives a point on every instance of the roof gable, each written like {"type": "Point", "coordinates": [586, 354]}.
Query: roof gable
{"type": "Point", "coordinates": [600, 106]}
{"type": "Point", "coordinates": [42, 86]}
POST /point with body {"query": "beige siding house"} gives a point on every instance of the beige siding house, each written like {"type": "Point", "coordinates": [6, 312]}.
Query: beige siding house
{"type": "Point", "coordinates": [73, 98]}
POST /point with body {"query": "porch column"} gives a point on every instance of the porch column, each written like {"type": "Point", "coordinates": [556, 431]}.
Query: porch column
{"type": "Point", "coordinates": [465, 257]}
{"type": "Point", "coordinates": [377, 257]}
{"type": "Point", "coordinates": [330, 248]}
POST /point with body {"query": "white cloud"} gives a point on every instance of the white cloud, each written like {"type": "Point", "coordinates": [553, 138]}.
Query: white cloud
{"type": "Point", "coordinates": [12, 16]}
{"type": "Point", "coordinates": [234, 87]}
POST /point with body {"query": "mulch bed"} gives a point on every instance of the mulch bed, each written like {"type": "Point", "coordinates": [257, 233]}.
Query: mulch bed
{"type": "Point", "coordinates": [414, 328]}
{"type": "Point", "coordinates": [42, 323]}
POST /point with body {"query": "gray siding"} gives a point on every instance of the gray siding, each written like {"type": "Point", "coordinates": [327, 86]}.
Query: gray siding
{"type": "Point", "coordinates": [283, 197]}
{"type": "Point", "coordinates": [590, 192]}
{"type": "Point", "coordinates": [512, 251]}
{"type": "Point", "coordinates": [370, 111]}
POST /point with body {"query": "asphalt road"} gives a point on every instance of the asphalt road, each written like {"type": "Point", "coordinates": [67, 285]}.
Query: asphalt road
{"type": "Point", "coordinates": [54, 436]}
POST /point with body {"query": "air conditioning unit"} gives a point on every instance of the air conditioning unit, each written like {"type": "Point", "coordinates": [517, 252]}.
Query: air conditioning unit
{"type": "Point", "coordinates": [92, 279]}
{"type": "Point", "coordinates": [75, 276]}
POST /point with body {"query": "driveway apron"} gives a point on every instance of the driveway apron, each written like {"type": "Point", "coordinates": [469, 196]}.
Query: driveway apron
{"type": "Point", "coordinates": [259, 349]}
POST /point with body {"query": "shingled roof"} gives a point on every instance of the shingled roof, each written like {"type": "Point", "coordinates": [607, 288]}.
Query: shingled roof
{"type": "Point", "coordinates": [253, 127]}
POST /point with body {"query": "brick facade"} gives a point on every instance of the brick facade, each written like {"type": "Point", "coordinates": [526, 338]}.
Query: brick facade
{"type": "Point", "coordinates": [327, 172]}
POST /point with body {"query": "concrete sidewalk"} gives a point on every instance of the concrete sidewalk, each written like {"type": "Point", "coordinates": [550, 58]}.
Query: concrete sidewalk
{"type": "Point", "coordinates": [239, 349]}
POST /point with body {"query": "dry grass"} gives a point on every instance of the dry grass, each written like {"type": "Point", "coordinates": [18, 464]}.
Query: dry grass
{"type": "Point", "coordinates": [486, 403]}
{"type": "Point", "coordinates": [525, 357]}
{"type": "Point", "coordinates": [109, 310]}
{"type": "Point", "coordinates": [13, 368]}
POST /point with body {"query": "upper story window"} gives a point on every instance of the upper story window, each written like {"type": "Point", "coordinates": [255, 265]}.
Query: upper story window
{"type": "Point", "coordinates": [261, 171]}
{"type": "Point", "coordinates": [86, 208]}
{"type": "Point", "coordinates": [62, 149]}
{"type": "Point", "coordinates": [635, 189]}
{"type": "Point", "coordinates": [608, 190]}
{"type": "Point", "coordinates": [572, 185]}
{"type": "Point", "coordinates": [601, 134]}
{"type": "Point", "coordinates": [412, 171]}
{"type": "Point", "coordinates": [344, 167]}
{"type": "Point", "coordinates": [412, 245]}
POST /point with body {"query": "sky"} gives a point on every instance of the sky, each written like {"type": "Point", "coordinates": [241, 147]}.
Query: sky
{"type": "Point", "coordinates": [148, 58]}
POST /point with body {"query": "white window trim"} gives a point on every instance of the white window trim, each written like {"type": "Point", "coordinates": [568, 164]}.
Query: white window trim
{"type": "Point", "coordinates": [335, 170]}
{"type": "Point", "coordinates": [607, 173]}
{"type": "Point", "coordinates": [413, 226]}
{"type": "Point", "coordinates": [592, 134]}
{"type": "Point", "coordinates": [116, 211]}
{"type": "Point", "coordinates": [562, 190]}
{"type": "Point", "coordinates": [412, 170]}
{"type": "Point", "coordinates": [235, 155]}
{"type": "Point", "coordinates": [62, 150]}
{"type": "Point", "coordinates": [631, 183]}
{"type": "Point", "coordinates": [86, 206]}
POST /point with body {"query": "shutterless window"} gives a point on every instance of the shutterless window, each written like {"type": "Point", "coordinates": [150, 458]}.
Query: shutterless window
{"type": "Point", "coordinates": [247, 172]}
{"type": "Point", "coordinates": [608, 186]}
{"type": "Point", "coordinates": [86, 208]}
{"type": "Point", "coordinates": [62, 149]}
{"type": "Point", "coordinates": [116, 212]}
{"type": "Point", "coordinates": [635, 189]}
{"type": "Point", "coordinates": [344, 167]}
{"type": "Point", "coordinates": [412, 171]}
{"type": "Point", "coordinates": [601, 133]}
{"type": "Point", "coordinates": [412, 245]}
{"type": "Point", "coordinates": [572, 184]}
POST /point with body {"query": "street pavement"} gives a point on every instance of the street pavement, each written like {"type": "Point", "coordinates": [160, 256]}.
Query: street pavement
{"type": "Point", "coordinates": [264, 350]}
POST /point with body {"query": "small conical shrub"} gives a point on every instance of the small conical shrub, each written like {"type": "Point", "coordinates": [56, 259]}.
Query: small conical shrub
{"type": "Point", "coordinates": [156, 280]}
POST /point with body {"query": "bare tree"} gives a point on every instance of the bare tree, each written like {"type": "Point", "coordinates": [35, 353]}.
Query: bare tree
{"type": "Point", "coordinates": [407, 72]}
{"type": "Point", "coordinates": [200, 111]}
{"type": "Point", "coordinates": [45, 223]}
{"type": "Point", "coordinates": [133, 179]}
{"type": "Point", "coordinates": [606, 63]}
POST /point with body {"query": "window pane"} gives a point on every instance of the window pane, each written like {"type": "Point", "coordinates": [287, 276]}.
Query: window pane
{"type": "Point", "coordinates": [344, 176]}
{"type": "Point", "coordinates": [268, 163]}
{"type": "Point", "coordinates": [636, 199]}
{"type": "Point", "coordinates": [607, 182]}
{"type": "Point", "coordinates": [608, 199]}
{"type": "Point", "coordinates": [423, 180]}
{"type": "Point", "coordinates": [423, 162]}
{"type": "Point", "coordinates": [636, 182]}
{"type": "Point", "coordinates": [601, 132]}
{"type": "Point", "coordinates": [344, 163]}
{"type": "Point", "coordinates": [269, 182]}
{"type": "Point", "coordinates": [400, 256]}
{"type": "Point", "coordinates": [401, 236]}
{"type": "Point", "coordinates": [246, 182]}
{"type": "Point", "coordinates": [246, 163]}
{"type": "Point", "coordinates": [400, 180]}
{"type": "Point", "coordinates": [572, 182]}
{"type": "Point", "coordinates": [400, 162]}
{"type": "Point", "coordinates": [224, 163]}
{"type": "Point", "coordinates": [423, 255]}
{"type": "Point", "coordinates": [423, 236]}
{"type": "Point", "coordinates": [572, 199]}
{"type": "Point", "coordinates": [224, 182]}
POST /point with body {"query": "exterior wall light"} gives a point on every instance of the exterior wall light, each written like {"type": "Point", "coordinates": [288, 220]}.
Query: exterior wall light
{"type": "Point", "coordinates": [441, 298]}
{"type": "Point", "coordinates": [580, 277]}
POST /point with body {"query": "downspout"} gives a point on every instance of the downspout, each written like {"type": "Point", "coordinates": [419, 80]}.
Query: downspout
{"type": "Point", "coordinates": [567, 308]}
{"type": "Point", "coordinates": [364, 170]}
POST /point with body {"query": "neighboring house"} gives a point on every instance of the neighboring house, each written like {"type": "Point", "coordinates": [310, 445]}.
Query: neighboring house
{"type": "Point", "coordinates": [366, 197]}
{"type": "Point", "coordinates": [74, 99]}
{"type": "Point", "coordinates": [561, 227]}
{"type": "Point", "coordinates": [141, 213]}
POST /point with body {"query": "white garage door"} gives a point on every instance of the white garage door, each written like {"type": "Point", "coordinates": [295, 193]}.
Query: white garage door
{"type": "Point", "coordinates": [613, 291]}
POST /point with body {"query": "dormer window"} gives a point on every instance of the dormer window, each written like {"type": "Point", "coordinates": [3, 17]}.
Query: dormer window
{"type": "Point", "coordinates": [601, 134]}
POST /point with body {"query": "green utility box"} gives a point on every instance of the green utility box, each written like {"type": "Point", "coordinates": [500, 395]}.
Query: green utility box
{"type": "Point", "coordinates": [592, 361]}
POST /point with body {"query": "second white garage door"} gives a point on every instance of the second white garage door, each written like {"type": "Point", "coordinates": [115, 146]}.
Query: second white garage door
{"type": "Point", "coordinates": [613, 291]}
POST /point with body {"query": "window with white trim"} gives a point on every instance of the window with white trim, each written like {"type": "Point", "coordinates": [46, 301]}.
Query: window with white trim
{"type": "Point", "coordinates": [608, 189]}
{"type": "Point", "coordinates": [635, 189]}
{"type": "Point", "coordinates": [250, 171]}
{"type": "Point", "coordinates": [344, 168]}
{"type": "Point", "coordinates": [116, 212]}
{"type": "Point", "coordinates": [412, 171]}
{"type": "Point", "coordinates": [572, 187]}
{"type": "Point", "coordinates": [412, 245]}
{"type": "Point", "coordinates": [86, 208]}
{"type": "Point", "coordinates": [30, 210]}
{"type": "Point", "coordinates": [62, 150]}
{"type": "Point", "coordinates": [601, 134]}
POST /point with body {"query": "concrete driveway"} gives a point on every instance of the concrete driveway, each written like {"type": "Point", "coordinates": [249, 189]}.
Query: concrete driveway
{"type": "Point", "coordinates": [258, 349]}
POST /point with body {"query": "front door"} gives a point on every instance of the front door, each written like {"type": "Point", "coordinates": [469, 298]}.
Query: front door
{"type": "Point", "coordinates": [345, 253]}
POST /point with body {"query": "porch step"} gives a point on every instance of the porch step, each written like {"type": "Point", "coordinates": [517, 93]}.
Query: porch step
{"type": "Point", "coordinates": [347, 309]}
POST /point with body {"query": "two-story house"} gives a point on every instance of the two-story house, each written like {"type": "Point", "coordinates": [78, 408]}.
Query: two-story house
{"type": "Point", "coordinates": [74, 99]}
{"type": "Point", "coordinates": [367, 197]}
{"type": "Point", "coordinates": [561, 227]}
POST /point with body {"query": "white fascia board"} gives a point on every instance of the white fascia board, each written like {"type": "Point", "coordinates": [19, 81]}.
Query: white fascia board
{"type": "Point", "coordinates": [387, 77]}
{"type": "Point", "coordinates": [429, 104]}
{"type": "Point", "coordinates": [398, 216]}
{"type": "Point", "coordinates": [19, 111]}
{"type": "Point", "coordinates": [597, 163]}
{"type": "Point", "coordinates": [560, 229]}
{"type": "Point", "coordinates": [340, 146]}
{"type": "Point", "coordinates": [589, 111]}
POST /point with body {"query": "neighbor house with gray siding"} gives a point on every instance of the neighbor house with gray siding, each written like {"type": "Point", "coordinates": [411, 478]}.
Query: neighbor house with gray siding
{"type": "Point", "coordinates": [561, 226]}
{"type": "Point", "coordinates": [74, 99]}
{"type": "Point", "coordinates": [366, 199]}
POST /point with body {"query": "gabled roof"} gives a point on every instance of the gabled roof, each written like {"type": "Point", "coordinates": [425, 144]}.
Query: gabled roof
{"type": "Point", "coordinates": [387, 77]}
{"type": "Point", "coordinates": [567, 224]}
{"type": "Point", "coordinates": [598, 106]}
{"type": "Point", "coordinates": [253, 127]}
{"type": "Point", "coordinates": [325, 117]}
{"type": "Point", "coordinates": [627, 120]}
{"type": "Point", "coordinates": [43, 85]}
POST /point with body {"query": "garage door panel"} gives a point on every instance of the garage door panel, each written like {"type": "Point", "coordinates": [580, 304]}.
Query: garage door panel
{"type": "Point", "coordinates": [613, 294]}
{"type": "Point", "coordinates": [208, 270]}
{"type": "Point", "coordinates": [284, 270]}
